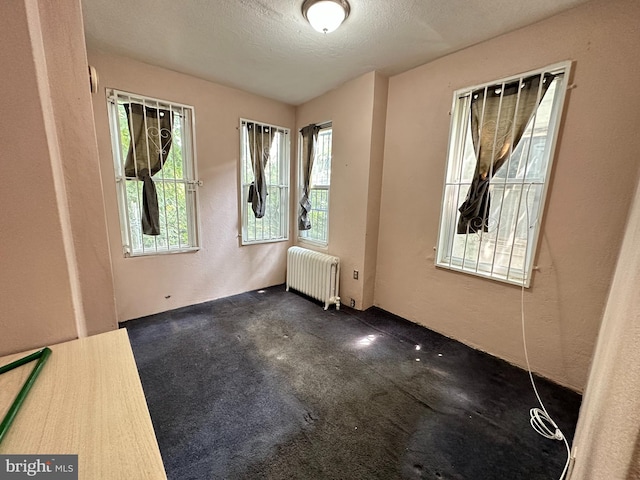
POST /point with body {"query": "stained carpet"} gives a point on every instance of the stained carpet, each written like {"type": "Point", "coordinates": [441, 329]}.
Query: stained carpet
{"type": "Point", "coordinates": [268, 385]}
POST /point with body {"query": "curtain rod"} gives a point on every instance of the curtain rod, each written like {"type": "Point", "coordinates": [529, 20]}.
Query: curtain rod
{"type": "Point", "coordinates": [244, 121]}
{"type": "Point", "coordinates": [558, 69]}
{"type": "Point", "coordinates": [115, 94]}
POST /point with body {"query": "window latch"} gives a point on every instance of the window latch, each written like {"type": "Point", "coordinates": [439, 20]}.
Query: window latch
{"type": "Point", "coordinates": [192, 184]}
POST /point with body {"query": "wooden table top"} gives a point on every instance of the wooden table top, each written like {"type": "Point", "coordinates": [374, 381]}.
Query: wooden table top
{"type": "Point", "coordinates": [88, 400]}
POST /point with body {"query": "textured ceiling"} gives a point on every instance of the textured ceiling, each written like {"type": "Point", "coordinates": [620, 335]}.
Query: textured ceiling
{"type": "Point", "coordinates": [268, 48]}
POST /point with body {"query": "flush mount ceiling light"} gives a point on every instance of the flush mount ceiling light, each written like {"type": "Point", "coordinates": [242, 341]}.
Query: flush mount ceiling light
{"type": "Point", "coordinates": [325, 15]}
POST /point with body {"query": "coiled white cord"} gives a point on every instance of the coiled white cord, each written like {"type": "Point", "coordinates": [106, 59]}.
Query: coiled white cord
{"type": "Point", "coordinates": [540, 419]}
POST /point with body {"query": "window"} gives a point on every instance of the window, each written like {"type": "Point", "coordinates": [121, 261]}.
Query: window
{"type": "Point", "coordinates": [319, 183]}
{"type": "Point", "coordinates": [500, 153]}
{"type": "Point", "coordinates": [155, 173]}
{"type": "Point", "coordinates": [264, 185]}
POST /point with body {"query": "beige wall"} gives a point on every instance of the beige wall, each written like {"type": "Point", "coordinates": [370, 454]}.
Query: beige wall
{"type": "Point", "coordinates": [356, 110]}
{"type": "Point", "coordinates": [378, 125]}
{"type": "Point", "coordinates": [222, 267]}
{"type": "Point", "coordinates": [594, 176]}
{"type": "Point", "coordinates": [609, 426]}
{"type": "Point", "coordinates": [55, 280]}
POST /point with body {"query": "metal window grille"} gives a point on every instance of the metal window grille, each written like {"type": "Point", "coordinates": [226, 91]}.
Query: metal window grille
{"type": "Point", "coordinates": [274, 225]}
{"type": "Point", "coordinates": [176, 183]}
{"type": "Point", "coordinates": [518, 189]}
{"type": "Point", "coordinates": [319, 189]}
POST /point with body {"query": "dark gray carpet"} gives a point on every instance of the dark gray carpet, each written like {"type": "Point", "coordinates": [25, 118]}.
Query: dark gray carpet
{"type": "Point", "coordinates": [270, 386]}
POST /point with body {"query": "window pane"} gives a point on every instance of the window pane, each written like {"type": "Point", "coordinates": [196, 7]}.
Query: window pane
{"type": "Point", "coordinates": [134, 205]}
{"type": "Point", "coordinates": [319, 190]}
{"type": "Point", "coordinates": [516, 191]}
{"type": "Point", "coordinates": [529, 159]}
{"type": "Point", "coordinates": [175, 189]}
{"type": "Point", "coordinates": [174, 233]}
{"type": "Point", "coordinates": [172, 167]}
{"type": "Point", "coordinates": [469, 156]}
{"type": "Point", "coordinates": [274, 225]}
{"type": "Point", "coordinates": [319, 216]}
{"type": "Point", "coordinates": [321, 172]}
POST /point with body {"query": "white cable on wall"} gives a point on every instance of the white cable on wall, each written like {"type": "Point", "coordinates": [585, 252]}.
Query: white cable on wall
{"type": "Point", "coordinates": [540, 419]}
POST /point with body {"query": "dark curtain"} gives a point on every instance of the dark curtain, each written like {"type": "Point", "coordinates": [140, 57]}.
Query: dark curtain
{"type": "Point", "coordinates": [150, 130]}
{"type": "Point", "coordinates": [260, 139]}
{"type": "Point", "coordinates": [499, 117]}
{"type": "Point", "coordinates": [309, 141]}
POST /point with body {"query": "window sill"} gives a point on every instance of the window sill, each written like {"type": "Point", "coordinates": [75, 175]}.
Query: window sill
{"type": "Point", "coordinates": [161, 252]}
{"type": "Point", "coordinates": [260, 242]}
{"type": "Point", "coordinates": [320, 245]}
{"type": "Point", "coordinates": [516, 278]}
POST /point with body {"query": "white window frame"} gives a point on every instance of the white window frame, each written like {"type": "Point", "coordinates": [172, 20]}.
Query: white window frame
{"type": "Point", "coordinates": [282, 158]}
{"type": "Point", "coordinates": [455, 188]}
{"type": "Point", "coordinates": [303, 235]}
{"type": "Point", "coordinates": [186, 116]}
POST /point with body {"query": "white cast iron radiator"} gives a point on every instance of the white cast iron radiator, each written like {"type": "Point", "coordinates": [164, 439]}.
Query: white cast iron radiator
{"type": "Point", "coordinates": [315, 274]}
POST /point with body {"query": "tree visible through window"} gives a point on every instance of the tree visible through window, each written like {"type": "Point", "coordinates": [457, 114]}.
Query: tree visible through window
{"type": "Point", "coordinates": [319, 184]}
{"type": "Point", "coordinates": [155, 174]}
{"type": "Point", "coordinates": [500, 153]}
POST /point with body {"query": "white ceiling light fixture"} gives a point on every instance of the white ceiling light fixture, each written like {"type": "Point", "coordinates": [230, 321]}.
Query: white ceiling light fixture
{"type": "Point", "coordinates": [325, 15]}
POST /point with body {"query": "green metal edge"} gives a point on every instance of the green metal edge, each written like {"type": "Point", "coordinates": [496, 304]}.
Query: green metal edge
{"type": "Point", "coordinates": [42, 356]}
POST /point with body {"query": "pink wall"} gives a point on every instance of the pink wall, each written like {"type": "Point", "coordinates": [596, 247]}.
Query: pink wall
{"type": "Point", "coordinates": [594, 176]}
{"type": "Point", "coordinates": [55, 280]}
{"type": "Point", "coordinates": [66, 58]}
{"type": "Point", "coordinates": [222, 267]}
{"type": "Point", "coordinates": [355, 109]}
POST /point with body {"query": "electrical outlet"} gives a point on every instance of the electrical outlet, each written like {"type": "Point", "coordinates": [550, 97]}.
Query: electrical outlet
{"type": "Point", "coordinates": [352, 303]}
{"type": "Point", "coordinates": [355, 274]}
